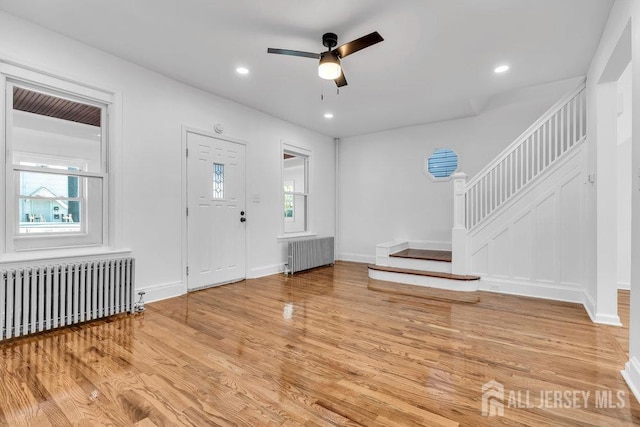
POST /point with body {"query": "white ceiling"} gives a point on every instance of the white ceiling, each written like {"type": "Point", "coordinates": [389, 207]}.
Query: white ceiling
{"type": "Point", "coordinates": [436, 62]}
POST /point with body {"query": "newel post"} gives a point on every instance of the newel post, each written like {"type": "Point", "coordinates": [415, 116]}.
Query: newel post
{"type": "Point", "coordinates": [459, 233]}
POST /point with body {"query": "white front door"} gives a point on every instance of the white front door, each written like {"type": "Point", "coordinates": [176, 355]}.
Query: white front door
{"type": "Point", "coordinates": [216, 211]}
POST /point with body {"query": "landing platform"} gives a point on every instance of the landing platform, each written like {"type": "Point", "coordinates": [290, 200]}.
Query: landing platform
{"type": "Point", "coordinates": [431, 255]}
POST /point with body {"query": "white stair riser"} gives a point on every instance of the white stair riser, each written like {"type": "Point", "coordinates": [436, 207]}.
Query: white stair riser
{"type": "Point", "coordinates": [426, 281]}
{"type": "Point", "coordinates": [420, 264]}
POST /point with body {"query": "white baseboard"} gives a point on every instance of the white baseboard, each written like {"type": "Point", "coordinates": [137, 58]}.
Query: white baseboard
{"type": "Point", "coordinates": [555, 293]}
{"type": "Point", "coordinates": [590, 306]}
{"type": "Point", "coordinates": [631, 375]}
{"type": "Point", "coordinates": [367, 259]}
{"type": "Point", "coordinates": [599, 318]}
{"type": "Point", "coordinates": [624, 286]}
{"type": "Point", "coordinates": [163, 291]}
{"type": "Point", "coordinates": [266, 270]}
{"type": "Point", "coordinates": [607, 319]}
{"type": "Point", "coordinates": [535, 290]}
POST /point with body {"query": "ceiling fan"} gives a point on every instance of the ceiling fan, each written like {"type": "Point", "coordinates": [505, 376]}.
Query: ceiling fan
{"type": "Point", "coordinates": [329, 67]}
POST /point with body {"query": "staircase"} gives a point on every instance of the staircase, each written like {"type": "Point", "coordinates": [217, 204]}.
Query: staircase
{"type": "Point", "coordinates": [406, 262]}
{"type": "Point", "coordinates": [505, 218]}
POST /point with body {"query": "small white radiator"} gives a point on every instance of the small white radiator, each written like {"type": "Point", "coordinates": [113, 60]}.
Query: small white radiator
{"type": "Point", "coordinates": [42, 298]}
{"type": "Point", "coordinates": [309, 253]}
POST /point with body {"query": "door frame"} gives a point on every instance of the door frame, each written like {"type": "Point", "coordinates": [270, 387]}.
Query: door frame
{"type": "Point", "coordinates": [186, 130]}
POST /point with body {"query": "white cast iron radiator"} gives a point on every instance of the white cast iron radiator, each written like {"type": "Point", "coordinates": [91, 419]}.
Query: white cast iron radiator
{"type": "Point", "coordinates": [42, 298]}
{"type": "Point", "coordinates": [309, 253]}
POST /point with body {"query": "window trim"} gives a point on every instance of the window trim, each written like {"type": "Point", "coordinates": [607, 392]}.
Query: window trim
{"type": "Point", "coordinates": [31, 76]}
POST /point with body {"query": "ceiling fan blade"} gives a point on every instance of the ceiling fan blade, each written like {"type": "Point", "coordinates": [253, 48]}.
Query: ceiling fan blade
{"type": "Point", "coordinates": [359, 44]}
{"type": "Point", "coordinates": [294, 53]}
{"type": "Point", "coordinates": [342, 80]}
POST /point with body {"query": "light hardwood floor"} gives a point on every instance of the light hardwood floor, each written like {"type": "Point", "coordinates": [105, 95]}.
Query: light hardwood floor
{"type": "Point", "coordinates": [320, 348]}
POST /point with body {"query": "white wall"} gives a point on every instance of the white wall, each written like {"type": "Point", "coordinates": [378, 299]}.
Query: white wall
{"type": "Point", "coordinates": [624, 15]}
{"type": "Point", "coordinates": [624, 179]}
{"type": "Point", "coordinates": [154, 110]}
{"type": "Point", "coordinates": [384, 193]}
{"type": "Point", "coordinates": [601, 200]}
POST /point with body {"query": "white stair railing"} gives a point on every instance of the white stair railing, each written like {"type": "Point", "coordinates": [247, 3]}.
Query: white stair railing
{"type": "Point", "coordinates": [558, 130]}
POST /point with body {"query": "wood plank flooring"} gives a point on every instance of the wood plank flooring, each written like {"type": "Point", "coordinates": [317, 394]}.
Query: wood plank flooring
{"type": "Point", "coordinates": [423, 292]}
{"type": "Point", "coordinates": [439, 274]}
{"type": "Point", "coordinates": [319, 348]}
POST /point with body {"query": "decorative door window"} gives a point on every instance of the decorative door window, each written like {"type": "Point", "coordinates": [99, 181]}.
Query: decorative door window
{"type": "Point", "coordinates": [218, 181]}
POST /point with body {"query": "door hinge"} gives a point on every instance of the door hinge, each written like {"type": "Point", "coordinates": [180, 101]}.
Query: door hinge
{"type": "Point", "coordinates": [187, 211]}
{"type": "Point", "coordinates": [187, 270]}
{"type": "Point", "coordinates": [187, 152]}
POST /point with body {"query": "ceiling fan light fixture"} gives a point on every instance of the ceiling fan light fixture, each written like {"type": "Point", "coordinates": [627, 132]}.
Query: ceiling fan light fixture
{"type": "Point", "coordinates": [329, 68]}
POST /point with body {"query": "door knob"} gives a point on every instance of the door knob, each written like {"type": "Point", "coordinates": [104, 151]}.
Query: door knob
{"type": "Point", "coordinates": [243, 219]}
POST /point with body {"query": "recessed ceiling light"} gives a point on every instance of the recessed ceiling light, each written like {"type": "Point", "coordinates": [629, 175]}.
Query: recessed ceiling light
{"type": "Point", "coordinates": [242, 70]}
{"type": "Point", "coordinates": [328, 115]}
{"type": "Point", "coordinates": [501, 69]}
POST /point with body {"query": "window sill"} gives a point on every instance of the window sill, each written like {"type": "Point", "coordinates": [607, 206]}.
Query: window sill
{"type": "Point", "coordinates": [31, 258]}
{"type": "Point", "coordinates": [289, 236]}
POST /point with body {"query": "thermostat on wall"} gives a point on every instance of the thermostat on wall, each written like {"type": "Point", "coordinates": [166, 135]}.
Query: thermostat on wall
{"type": "Point", "coordinates": [218, 128]}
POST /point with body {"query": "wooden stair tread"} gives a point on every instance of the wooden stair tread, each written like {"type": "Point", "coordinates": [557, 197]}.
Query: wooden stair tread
{"type": "Point", "coordinates": [424, 292]}
{"type": "Point", "coordinates": [423, 273]}
{"type": "Point", "coordinates": [426, 254]}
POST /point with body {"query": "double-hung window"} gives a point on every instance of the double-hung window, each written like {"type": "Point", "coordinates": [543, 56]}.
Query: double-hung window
{"type": "Point", "coordinates": [56, 167]}
{"type": "Point", "coordinates": [295, 190]}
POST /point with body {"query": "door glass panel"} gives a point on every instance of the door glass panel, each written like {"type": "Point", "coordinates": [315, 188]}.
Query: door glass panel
{"type": "Point", "coordinates": [218, 181]}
